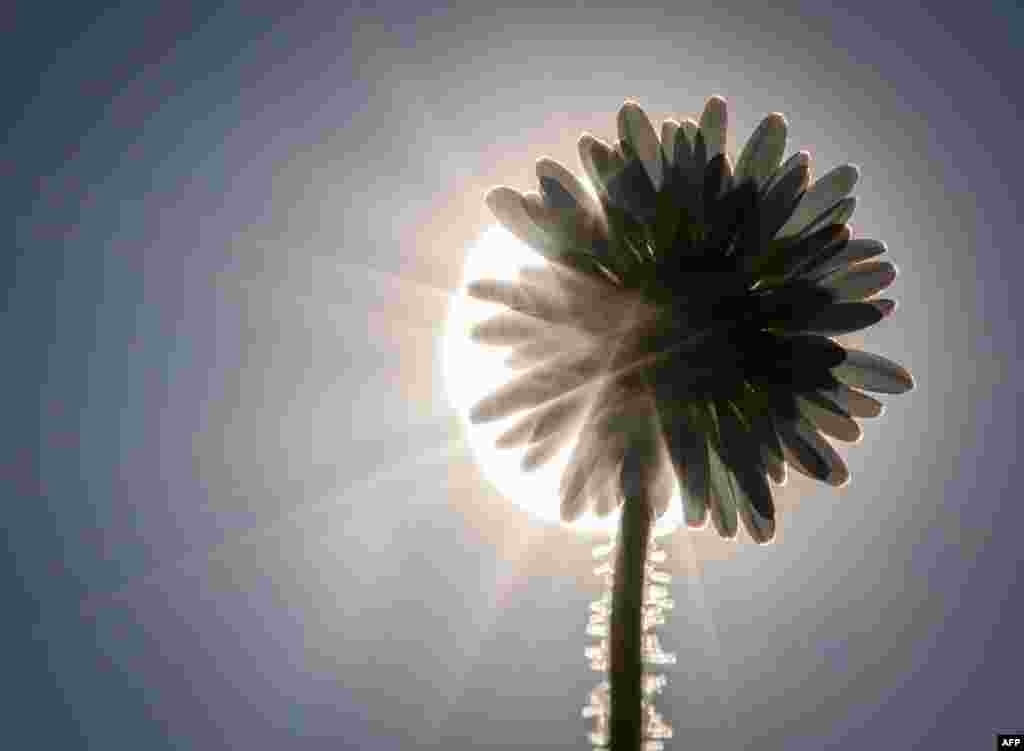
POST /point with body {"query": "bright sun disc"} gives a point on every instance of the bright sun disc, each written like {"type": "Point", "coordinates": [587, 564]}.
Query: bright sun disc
{"type": "Point", "coordinates": [472, 371]}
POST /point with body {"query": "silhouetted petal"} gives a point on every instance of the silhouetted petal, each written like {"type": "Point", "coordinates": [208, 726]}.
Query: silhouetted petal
{"type": "Point", "coordinates": [688, 128]}
{"type": "Point", "coordinates": [635, 129]}
{"type": "Point", "coordinates": [861, 281]}
{"type": "Point", "coordinates": [838, 214]}
{"type": "Point", "coordinates": [683, 152]}
{"type": "Point", "coordinates": [668, 140]}
{"type": "Point", "coordinates": [775, 463]}
{"type": "Point", "coordinates": [717, 180]}
{"type": "Point", "coordinates": [872, 372]}
{"type": "Point", "coordinates": [830, 421]}
{"type": "Point", "coordinates": [599, 161]}
{"type": "Point", "coordinates": [763, 151]}
{"type": "Point", "coordinates": [682, 155]}
{"type": "Point", "coordinates": [687, 448]}
{"type": "Point", "coordinates": [713, 126]}
{"type": "Point", "coordinates": [853, 252]}
{"type": "Point", "coordinates": [809, 453]}
{"type": "Point", "coordinates": [574, 236]}
{"type": "Point", "coordinates": [508, 207]}
{"type": "Point", "coordinates": [760, 527]}
{"type": "Point", "coordinates": [783, 193]}
{"type": "Point", "coordinates": [555, 195]}
{"type": "Point", "coordinates": [562, 189]}
{"type": "Point", "coordinates": [847, 317]}
{"type": "Point", "coordinates": [739, 449]}
{"type": "Point", "coordinates": [796, 162]}
{"type": "Point", "coordinates": [722, 497]}
{"type": "Point", "coordinates": [631, 189]}
{"type": "Point", "coordinates": [557, 224]}
{"type": "Point", "coordinates": [786, 259]}
{"type": "Point", "coordinates": [754, 409]}
{"type": "Point", "coordinates": [663, 483]}
{"type": "Point", "coordinates": [853, 402]}
{"type": "Point", "coordinates": [822, 196]}
{"type": "Point", "coordinates": [698, 163]}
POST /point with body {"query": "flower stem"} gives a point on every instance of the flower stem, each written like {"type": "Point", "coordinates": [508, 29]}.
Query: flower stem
{"type": "Point", "coordinates": [626, 633]}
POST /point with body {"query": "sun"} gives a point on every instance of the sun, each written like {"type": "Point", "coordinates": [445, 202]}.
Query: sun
{"type": "Point", "coordinates": [472, 371]}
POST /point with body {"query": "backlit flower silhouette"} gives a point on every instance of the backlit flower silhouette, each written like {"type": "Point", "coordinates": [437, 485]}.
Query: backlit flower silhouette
{"type": "Point", "coordinates": [681, 333]}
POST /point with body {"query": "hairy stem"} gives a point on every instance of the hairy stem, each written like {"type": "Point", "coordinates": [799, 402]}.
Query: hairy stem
{"type": "Point", "coordinates": [626, 633]}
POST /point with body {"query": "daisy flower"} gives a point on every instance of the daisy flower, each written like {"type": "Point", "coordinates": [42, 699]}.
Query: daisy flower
{"type": "Point", "coordinates": [681, 336]}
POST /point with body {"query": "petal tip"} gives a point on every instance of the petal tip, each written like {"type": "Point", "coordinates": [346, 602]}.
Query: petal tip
{"type": "Point", "coordinates": [840, 476]}
{"type": "Point", "coordinates": [500, 194]}
{"type": "Point", "coordinates": [546, 163]}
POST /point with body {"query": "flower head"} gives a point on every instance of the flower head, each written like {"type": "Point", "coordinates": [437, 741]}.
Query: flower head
{"type": "Point", "coordinates": [682, 327]}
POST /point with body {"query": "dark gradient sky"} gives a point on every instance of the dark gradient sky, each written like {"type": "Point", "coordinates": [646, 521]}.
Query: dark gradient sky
{"type": "Point", "coordinates": [240, 512]}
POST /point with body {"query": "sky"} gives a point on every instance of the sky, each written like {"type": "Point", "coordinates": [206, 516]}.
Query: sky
{"type": "Point", "coordinates": [241, 511]}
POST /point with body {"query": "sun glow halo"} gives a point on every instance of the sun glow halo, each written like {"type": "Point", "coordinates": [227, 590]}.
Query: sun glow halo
{"type": "Point", "coordinates": [472, 371]}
